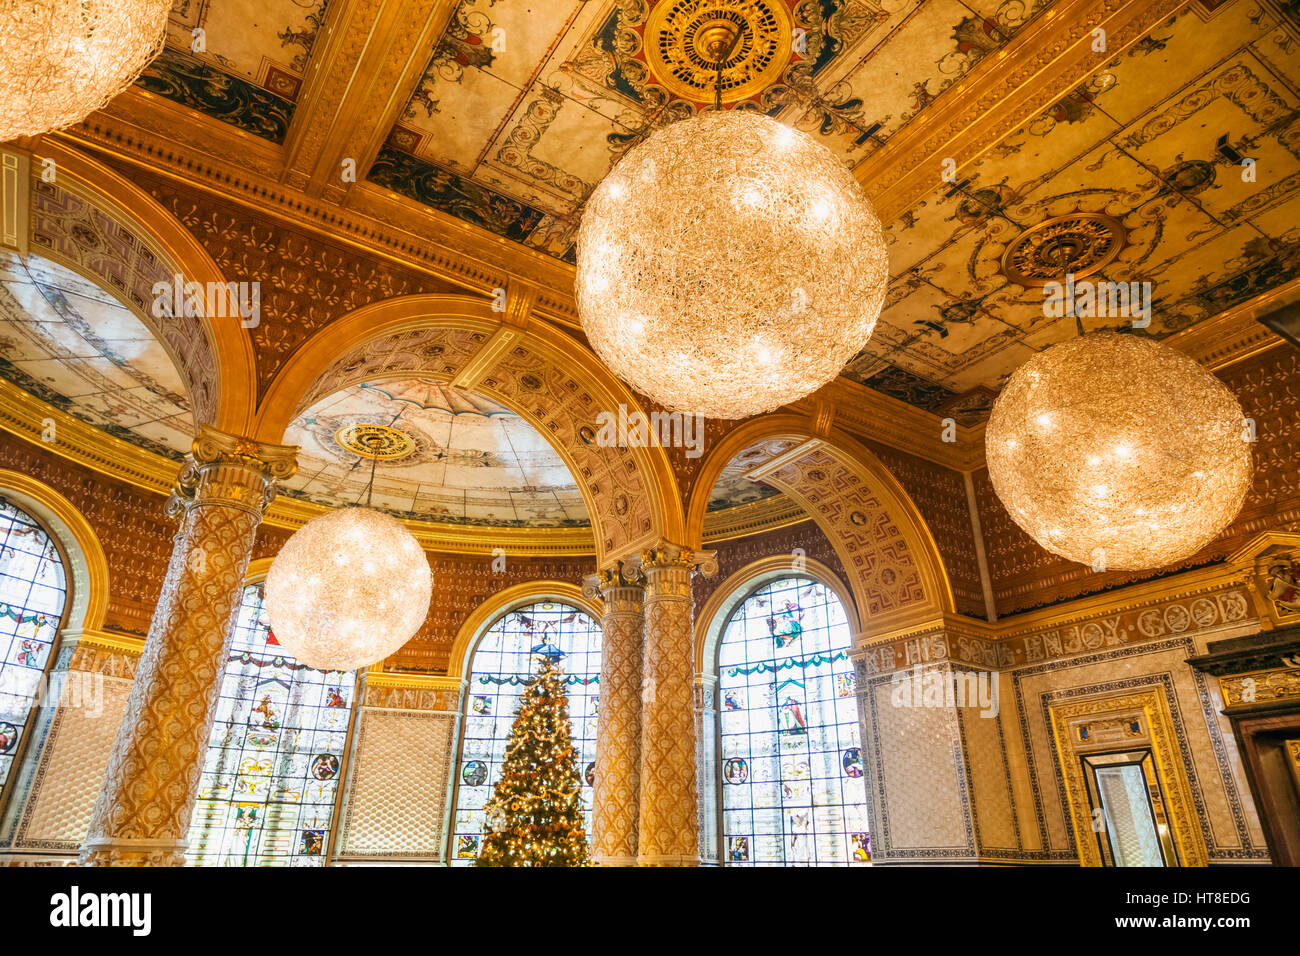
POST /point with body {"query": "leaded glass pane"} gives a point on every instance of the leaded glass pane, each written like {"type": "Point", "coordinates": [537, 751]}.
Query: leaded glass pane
{"type": "Point", "coordinates": [271, 773]}
{"type": "Point", "coordinates": [33, 592]}
{"type": "Point", "coordinates": [793, 790]}
{"type": "Point", "coordinates": [504, 659]}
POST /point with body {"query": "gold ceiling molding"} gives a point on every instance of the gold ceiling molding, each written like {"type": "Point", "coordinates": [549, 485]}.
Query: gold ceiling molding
{"type": "Point", "coordinates": [741, 521]}
{"type": "Point", "coordinates": [882, 418]}
{"type": "Point", "coordinates": [1235, 333]}
{"type": "Point", "coordinates": [1045, 60]}
{"type": "Point", "coordinates": [363, 68]}
{"type": "Point", "coordinates": [372, 219]}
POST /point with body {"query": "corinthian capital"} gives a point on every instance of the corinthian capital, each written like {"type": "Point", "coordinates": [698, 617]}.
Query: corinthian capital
{"type": "Point", "coordinates": [228, 470]}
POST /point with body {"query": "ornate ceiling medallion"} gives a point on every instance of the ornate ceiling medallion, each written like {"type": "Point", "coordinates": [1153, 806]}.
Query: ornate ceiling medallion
{"type": "Point", "coordinates": [376, 441]}
{"type": "Point", "coordinates": [1081, 243]}
{"type": "Point", "coordinates": [682, 35]}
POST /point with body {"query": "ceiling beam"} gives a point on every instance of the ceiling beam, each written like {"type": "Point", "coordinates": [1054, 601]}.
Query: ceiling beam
{"type": "Point", "coordinates": [366, 63]}
{"type": "Point", "coordinates": [1043, 62]}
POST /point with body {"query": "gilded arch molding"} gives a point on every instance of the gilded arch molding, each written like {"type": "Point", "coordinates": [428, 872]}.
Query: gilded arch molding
{"type": "Point", "coordinates": [104, 227]}
{"type": "Point", "coordinates": [504, 601]}
{"type": "Point", "coordinates": [893, 563]}
{"type": "Point", "coordinates": [89, 564]}
{"type": "Point", "coordinates": [550, 379]}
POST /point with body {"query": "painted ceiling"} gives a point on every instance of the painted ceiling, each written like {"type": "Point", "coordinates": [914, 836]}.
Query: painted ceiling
{"type": "Point", "coordinates": [525, 105]}
{"type": "Point", "coordinates": [463, 459]}
{"type": "Point", "coordinates": [73, 345]}
{"type": "Point", "coordinates": [456, 457]}
{"type": "Point", "coordinates": [239, 61]}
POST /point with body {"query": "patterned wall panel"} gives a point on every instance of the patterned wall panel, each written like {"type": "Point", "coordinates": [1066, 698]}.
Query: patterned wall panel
{"type": "Point", "coordinates": [985, 745]}
{"type": "Point", "coordinates": [735, 554]}
{"type": "Point", "coordinates": [395, 804]}
{"type": "Point", "coordinates": [913, 760]}
{"type": "Point", "coordinates": [56, 790]}
{"type": "Point", "coordinates": [940, 496]}
{"type": "Point", "coordinates": [307, 280]}
{"type": "Point", "coordinates": [135, 534]}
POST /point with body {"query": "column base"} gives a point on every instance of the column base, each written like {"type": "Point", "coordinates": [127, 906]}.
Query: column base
{"type": "Point", "coordinates": [614, 860]}
{"type": "Point", "coordinates": [111, 852]}
{"type": "Point", "coordinates": [668, 860]}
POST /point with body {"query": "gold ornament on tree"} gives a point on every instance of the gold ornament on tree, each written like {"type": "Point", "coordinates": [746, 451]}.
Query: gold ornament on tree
{"type": "Point", "coordinates": [348, 589]}
{"type": "Point", "coordinates": [729, 265]}
{"type": "Point", "coordinates": [1118, 452]}
{"type": "Point", "coordinates": [62, 59]}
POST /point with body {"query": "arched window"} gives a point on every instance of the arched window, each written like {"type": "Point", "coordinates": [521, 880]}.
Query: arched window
{"type": "Point", "coordinates": [503, 661]}
{"type": "Point", "coordinates": [271, 773]}
{"type": "Point", "coordinates": [33, 594]}
{"type": "Point", "coordinates": [791, 775]}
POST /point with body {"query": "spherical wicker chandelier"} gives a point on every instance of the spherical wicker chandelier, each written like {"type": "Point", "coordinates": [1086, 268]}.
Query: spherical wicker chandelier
{"type": "Point", "coordinates": [1118, 452]}
{"type": "Point", "coordinates": [728, 265]}
{"type": "Point", "coordinates": [62, 59]}
{"type": "Point", "coordinates": [348, 589]}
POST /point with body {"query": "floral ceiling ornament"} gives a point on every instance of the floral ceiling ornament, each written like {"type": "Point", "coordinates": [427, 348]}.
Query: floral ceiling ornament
{"type": "Point", "coordinates": [1118, 452]}
{"type": "Point", "coordinates": [60, 60]}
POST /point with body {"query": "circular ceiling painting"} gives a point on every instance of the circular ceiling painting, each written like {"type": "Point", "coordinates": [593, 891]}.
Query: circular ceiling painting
{"type": "Point", "coordinates": [439, 453]}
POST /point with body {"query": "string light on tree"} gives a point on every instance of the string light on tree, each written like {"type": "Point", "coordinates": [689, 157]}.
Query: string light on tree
{"type": "Point", "coordinates": [1118, 452]}
{"type": "Point", "coordinates": [62, 59]}
{"type": "Point", "coordinates": [534, 817]}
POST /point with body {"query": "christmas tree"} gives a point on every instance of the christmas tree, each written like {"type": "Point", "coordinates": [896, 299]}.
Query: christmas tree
{"type": "Point", "coordinates": [535, 815]}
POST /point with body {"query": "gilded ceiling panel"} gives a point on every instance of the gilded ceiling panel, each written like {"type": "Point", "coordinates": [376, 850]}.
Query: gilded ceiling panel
{"type": "Point", "coordinates": [1149, 150]}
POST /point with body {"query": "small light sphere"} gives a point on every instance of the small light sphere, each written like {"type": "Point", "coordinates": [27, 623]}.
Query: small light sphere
{"type": "Point", "coordinates": [1145, 461]}
{"type": "Point", "coordinates": [729, 265]}
{"type": "Point", "coordinates": [60, 60]}
{"type": "Point", "coordinates": [348, 589]}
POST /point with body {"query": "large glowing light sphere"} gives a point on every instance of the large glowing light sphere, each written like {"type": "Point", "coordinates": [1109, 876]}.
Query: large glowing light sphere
{"type": "Point", "coordinates": [348, 589]}
{"type": "Point", "coordinates": [729, 265]}
{"type": "Point", "coordinates": [62, 59]}
{"type": "Point", "coordinates": [1118, 452]}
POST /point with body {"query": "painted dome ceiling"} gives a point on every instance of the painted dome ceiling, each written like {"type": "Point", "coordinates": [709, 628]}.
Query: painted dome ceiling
{"type": "Point", "coordinates": [439, 453]}
{"type": "Point", "coordinates": [73, 345]}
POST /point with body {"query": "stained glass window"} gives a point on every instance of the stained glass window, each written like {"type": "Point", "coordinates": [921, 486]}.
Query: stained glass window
{"type": "Point", "coordinates": [791, 764]}
{"type": "Point", "coordinates": [504, 660]}
{"type": "Point", "coordinates": [33, 592]}
{"type": "Point", "coordinates": [271, 773]}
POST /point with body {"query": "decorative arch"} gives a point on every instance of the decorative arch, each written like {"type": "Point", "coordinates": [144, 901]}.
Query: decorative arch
{"type": "Point", "coordinates": [895, 570]}
{"type": "Point", "coordinates": [100, 224]}
{"type": "Point", "coordinates": [553, 381]}
{"type": "Point", "coordinates": [731, 593]}
{"type": "Point", "coordinates": [87, 563]}
{"type": "Point", "coordinates": [505, 601]}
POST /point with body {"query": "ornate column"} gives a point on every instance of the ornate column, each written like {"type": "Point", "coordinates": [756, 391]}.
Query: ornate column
{"type": "Point", "coordinates": [142, 815]}
{"type": "Point", "coordinates": [668, 834]}
{"type": "Point", "coordinates": [618, 733]}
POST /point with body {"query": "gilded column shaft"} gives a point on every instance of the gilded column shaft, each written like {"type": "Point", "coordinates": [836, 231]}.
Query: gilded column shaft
{"type": "Point", "coordinates": [668, 833]}
{"type": "Point", "coordinates": [142, 814]}
{"type": "Point", "coordinates": [616, 797]}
